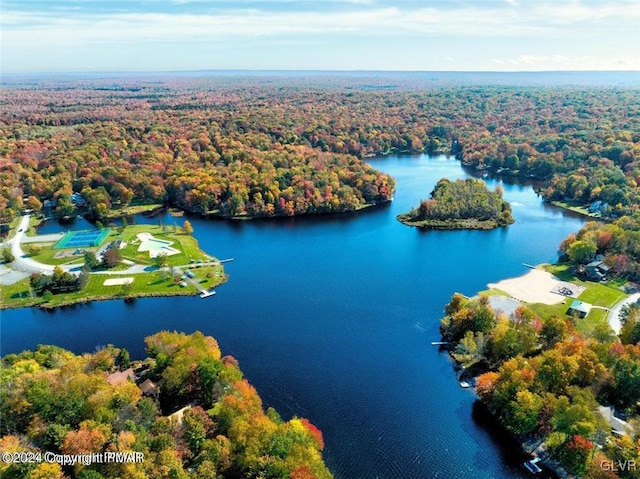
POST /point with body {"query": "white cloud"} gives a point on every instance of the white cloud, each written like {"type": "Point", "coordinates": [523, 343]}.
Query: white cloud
{"type": "Point", "coordinates": [502, 28]}
{"type": "Point", "coordinates": [461, 20]}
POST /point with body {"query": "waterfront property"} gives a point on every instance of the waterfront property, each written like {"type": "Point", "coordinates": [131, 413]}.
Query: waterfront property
{"type": "Point", "coordinates": [136, 273]}
{"type": "Point", "coordinates": [317, 309]}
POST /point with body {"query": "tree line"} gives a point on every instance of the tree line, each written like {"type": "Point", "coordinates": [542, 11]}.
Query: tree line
{"type": "Point", "coordinates": [56, 401]}
{"type": "Point", "coordinates": [544, 380]}
{"type": "Point", "coordinates": [264, 147]}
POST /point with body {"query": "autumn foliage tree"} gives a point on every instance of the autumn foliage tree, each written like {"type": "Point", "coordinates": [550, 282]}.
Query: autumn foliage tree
{"type": "Point", "coordinates": [64, 403]}
{"type": "Point", "coordinates": [111, 258]}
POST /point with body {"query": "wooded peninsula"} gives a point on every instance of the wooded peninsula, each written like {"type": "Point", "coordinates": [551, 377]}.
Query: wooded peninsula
{"type": "Point", "coordinates": [184, 412]}
{"type": "Point", "coordinates": [555, 373]}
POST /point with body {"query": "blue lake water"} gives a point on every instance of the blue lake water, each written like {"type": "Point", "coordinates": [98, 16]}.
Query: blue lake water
{"type": "Point", "coordinates": [331, 318]}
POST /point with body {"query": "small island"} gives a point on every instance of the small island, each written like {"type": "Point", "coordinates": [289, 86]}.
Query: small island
{"type": "Point", "coordinates": [461, 204]}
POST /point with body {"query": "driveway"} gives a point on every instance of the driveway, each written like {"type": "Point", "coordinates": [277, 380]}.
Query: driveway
{"type": "Point", "coordinates": [28, 265]}
{"type": "Point", "coordinates": [614, 313]}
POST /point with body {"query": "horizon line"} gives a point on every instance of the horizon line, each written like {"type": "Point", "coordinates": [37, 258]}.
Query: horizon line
{"type": "Point", "coordinates": [303, 70]}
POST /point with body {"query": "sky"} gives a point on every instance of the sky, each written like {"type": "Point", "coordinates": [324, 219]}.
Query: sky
{"type": "Point", "coordinates": [41, 36]}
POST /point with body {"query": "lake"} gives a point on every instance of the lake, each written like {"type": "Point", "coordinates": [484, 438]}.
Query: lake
{"type": "Point", "coordinates": [331, 318]}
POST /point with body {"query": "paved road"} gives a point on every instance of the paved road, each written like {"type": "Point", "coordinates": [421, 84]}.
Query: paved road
{"type": "Point", "coordinates": [28, 265]}
{"type": "Point", "coordinates": [614, 314]}
{"type": "Point", "coordinates": [22, 263]}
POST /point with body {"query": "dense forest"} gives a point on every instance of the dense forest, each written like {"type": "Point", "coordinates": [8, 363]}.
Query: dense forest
{"type": "Point", "coordinates": [618, 242]}
{"type": "Point", "coordinates": [461, 204]}
{"type": "Point", "coordinates": [55, 401]}
{"type": "Point", "coordinates": [545, 381]}
{"type": "Point", "coordinates": [269, 146]}
{"type": "Point", "coordinates": [545, 377]}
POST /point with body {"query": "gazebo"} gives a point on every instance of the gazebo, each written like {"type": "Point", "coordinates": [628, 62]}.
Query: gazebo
{"type": "Point", "coordinates": [579, 308]}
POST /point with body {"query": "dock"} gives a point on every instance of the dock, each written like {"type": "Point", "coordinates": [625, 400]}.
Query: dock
{"type": "Point", "coordinates": [205, 294]}
{"type": "Point", "coordinates": [439, 343]}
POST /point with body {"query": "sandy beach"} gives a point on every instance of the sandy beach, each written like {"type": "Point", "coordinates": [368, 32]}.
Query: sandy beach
{"type": "Point", "coordinates": [532, 287]}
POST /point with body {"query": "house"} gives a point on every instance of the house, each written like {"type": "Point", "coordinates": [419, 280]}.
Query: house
{"type": "Point", "coordinates": [121, 376]}
{"type": "Point", "coordinates": [596, 270]}
{"type": "Point", "coordinates": [618, 426]}
{"type": "Point", "coordinates": [177, 416]}
{"type": "Point", "coordinates": [149, 388]}
{"type": "Point", "coordinates": [599, 207]}
{"type": "Point", "coordinates": [78, 200]}
{"type": "Point", "coordinates": [579, 308]}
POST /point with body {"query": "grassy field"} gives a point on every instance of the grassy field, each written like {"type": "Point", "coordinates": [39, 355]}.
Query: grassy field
{"type": "Point", "coordinates": [47, 253]}
{"type": "Point", "coordinates": [131, 210]}
{"type": "Point", "coordinates": [186, 244]}
{"type": "Point", "coordinates": [156, 282]}
{"type": "Point", "coordinates": [601, 295]}
{"type": "Point", "coordinates": [576, 208]}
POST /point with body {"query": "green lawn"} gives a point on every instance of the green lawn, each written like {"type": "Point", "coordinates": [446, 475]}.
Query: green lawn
{"type": "Point", "coordinates": [131, 210]}
{"type": "Point", "coordinates": [605, 295]}
{"type": "Point", "coordinates": [575, 207]}
{"type": "Point", "coordinates": [155, 283]}
{"type": "Point", "coordinates": [493, 292]}
{"type": "Point", "coordinates": [549, 310]}
{"type": "Point", "coordinates": [48, 252]}
{"type": "Point", "coordinates": [186, 244]}
{"type": "Point", "coordinates": [17, 294]}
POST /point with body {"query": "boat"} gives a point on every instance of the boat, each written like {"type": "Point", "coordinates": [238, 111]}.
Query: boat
{"type": "Point", "coordinates": [464, 384]}
{"type": "Point", "coordinates": [532, 466]}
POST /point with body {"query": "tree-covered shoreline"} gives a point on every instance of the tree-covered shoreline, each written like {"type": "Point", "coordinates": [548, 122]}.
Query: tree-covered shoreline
{"type": "Point", "coordinates": [186, 410]}
{"type": "Point", "coordinates": [246, 147]}
{"type": "Point", "coordinates": [461, 204]}
{"type": "Point", "coordinates": [550, 375]}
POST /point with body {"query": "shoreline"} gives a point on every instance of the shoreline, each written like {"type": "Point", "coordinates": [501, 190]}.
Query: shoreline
{"type": "Point", "coordinates": [282, 216]}
{"type": "Point", "coordinates": [530, 287]}
{"type": "Point", "coordinates": [461, 224]}
{"type": "Point", "coordinates": [150, 280]}
{"type": "Point", "coordinates": [525, 447]}
{"type": "Point", "coordinates": [80, 301]}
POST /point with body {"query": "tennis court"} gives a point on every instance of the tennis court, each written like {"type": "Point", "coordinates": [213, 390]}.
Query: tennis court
{"type": "Point", "coordinates": [82, 239]}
